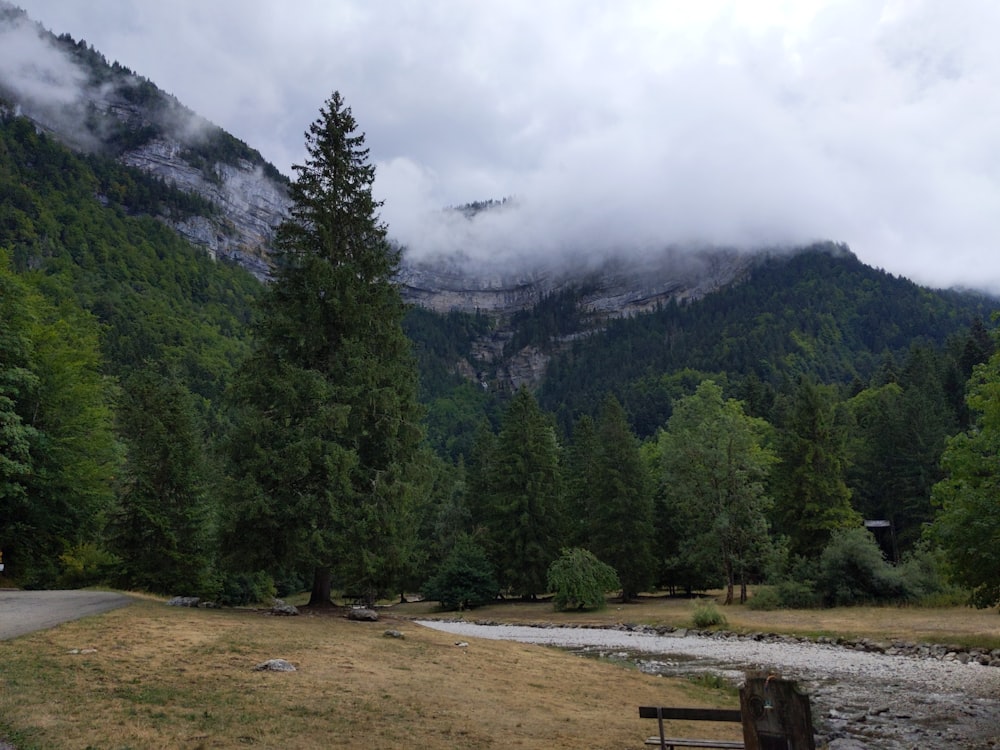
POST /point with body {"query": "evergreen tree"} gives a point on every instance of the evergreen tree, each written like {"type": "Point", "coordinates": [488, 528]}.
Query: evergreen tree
{"type": "Point", "coordinates": [578, 468]}
{"type": "Point", "coordinates": [162, 526]}
{"type": "Point", "coordinates": [811, 496]}
{"type": "Point", "coordinates": [327, 420]}
{"type": "Point", "coordinates": [524, 518]}
{"type": "Point", "coordinates": [620, 507]}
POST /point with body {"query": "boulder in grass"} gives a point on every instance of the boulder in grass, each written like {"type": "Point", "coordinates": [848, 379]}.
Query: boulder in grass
{"type": "Point", "coordinates": [275, 665]}
{"type": "Point", "coordinates": [362, 614]}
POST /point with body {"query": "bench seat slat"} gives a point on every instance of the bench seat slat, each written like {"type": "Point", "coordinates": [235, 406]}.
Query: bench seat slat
{"type": "Point", "coordinates": [672, 742]}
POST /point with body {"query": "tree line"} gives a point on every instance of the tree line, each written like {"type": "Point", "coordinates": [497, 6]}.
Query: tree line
{"type": "Point", "coordinates": [296, 453]}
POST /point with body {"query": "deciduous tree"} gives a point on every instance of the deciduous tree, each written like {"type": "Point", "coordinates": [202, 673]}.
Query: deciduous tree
{"type": "Point", "coordinates": [714, 465]}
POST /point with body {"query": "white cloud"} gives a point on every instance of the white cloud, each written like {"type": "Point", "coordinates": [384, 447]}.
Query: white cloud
{"type": "Point", "coordinates": [633, 124]}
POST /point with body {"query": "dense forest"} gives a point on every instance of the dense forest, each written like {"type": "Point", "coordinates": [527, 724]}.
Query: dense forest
{"type": "Point", "coordinates": [741, 438]}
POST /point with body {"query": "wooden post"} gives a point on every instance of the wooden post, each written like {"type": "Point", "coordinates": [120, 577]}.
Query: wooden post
{"type": "Point", "coordinates": [776, 716]}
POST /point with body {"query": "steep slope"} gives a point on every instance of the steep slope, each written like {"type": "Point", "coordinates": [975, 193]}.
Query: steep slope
{"type": "Point", "coordinates": [71, 91]}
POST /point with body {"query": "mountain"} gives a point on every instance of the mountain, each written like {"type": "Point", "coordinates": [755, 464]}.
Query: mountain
{"type": "Point", "coordinates": [549, 325]}
{"type": "Point", "coordinates": [69, 90]}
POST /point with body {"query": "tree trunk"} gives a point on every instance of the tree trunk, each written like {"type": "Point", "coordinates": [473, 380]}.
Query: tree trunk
{"type": "Point", "coordinates": [320, 596]}
{"type": "Point", "coordinates": [743, 591]}
{"type": "Point", "coordinates": [729, 583]}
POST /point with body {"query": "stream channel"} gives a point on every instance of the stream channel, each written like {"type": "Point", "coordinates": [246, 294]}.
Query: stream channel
{"type": "Point", "coordinates": [859, 699]}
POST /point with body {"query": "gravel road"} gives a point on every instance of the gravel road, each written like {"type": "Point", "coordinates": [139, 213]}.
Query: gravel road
{"type": "Point", "coordinates": [24, 612]}
{"type": "Point", "coordinates": [872, 700]}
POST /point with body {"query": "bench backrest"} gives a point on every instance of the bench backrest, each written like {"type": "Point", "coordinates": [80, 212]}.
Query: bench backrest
{"type": "Point", "coordinates": [690, 714]}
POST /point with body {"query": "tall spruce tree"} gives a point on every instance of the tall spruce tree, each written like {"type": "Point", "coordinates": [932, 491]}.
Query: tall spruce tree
{"type": "Point", "coordinates": [524, 501]}
{"type": "Point", "coordinates": [811, 495]}
{"type": "Point", "coordinates": [326, 414]}
{"type": "Point", "coordinates": [162, 524]}
{"type": "Point", "coordinates": [620, 507]}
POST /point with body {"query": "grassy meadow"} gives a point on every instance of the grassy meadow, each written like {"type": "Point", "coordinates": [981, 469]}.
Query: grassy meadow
{"type": "Point", "coordinates": [151, 676]}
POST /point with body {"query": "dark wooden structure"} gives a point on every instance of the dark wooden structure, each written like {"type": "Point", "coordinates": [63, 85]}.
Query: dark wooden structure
{"type": "Point", "coordinates": [776, 716]}
{"type": "Point", "coordinates": [663, 714]}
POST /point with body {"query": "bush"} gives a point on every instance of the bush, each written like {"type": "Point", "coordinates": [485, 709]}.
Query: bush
{"type": "Point", "coordinates": [765, 599]}
{"type": "Point", "coordinates": [465, 579]}
{"type": "Point", "coordinates": [707, 615]}
{"type": "Point", "coordinates": [240, 589]}
{"type": "Point", "coordinates": [86, 565]}
{"type": "Point", "coordinates": [580, 581]}
{"type": "Point", "coordinates": [852, 570]}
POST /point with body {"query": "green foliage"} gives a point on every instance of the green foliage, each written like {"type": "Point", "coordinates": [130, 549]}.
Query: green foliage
{"type": "Point", "coordinates": [464, 579]}
{"type": "Point", "coordinates": [617, 506]}
{"type": "Point", "coordinates": [788, 594]}
{"type": "Point", "coordinates": [811, 497]}
{"type": "Point", "coordinates": [713, 464]}
{"type": "Point", "coordinates": [57, 449]}
{"type": "Point", "coordinates": [86, 564]}
{"type": "Point", "coordinates": [156, 297]}
{"type": "Point", "coordinates": [241, 589]}
{"type": "Point", "coordinates": [707, 615]}
{"type": "Point", "coordinates": [819, 312]}
{"type": "Point", "coordinates": [968, 524]}
{"type": "Point", "coordinates": [522, 512]}
{"type": "Point", "coordinates": [580, 581]}
{"type": "Point", "coordinates": [326, 434]}
{"type": "Point", "coordinates": [852, 570]}
{"type": "Point", "coordinates": [162, 524]}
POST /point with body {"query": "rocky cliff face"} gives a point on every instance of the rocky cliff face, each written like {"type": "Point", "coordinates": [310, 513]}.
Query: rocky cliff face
{"type": "Point", "coordinates": [250, 205]}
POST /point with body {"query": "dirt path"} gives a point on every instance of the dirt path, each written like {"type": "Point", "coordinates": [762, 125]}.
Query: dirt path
{"type": "Point", "coordinates": [24, 612]}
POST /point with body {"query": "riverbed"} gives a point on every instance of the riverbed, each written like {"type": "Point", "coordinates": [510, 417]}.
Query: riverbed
{"type": "Point", "coordinates": [859, 699]}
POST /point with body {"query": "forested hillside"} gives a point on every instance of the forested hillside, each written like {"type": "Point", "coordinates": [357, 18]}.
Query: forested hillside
{"type": "Point", "coordinates": [83, 230]}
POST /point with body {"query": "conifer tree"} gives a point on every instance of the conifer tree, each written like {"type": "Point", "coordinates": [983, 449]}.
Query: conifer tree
{"type": "Point", "coordinates": [162, 524]}
{"type": "Point", "coordinates": [524, 518]}
{"type": "Point", "coordinates": [620, 516]}
{"type": "Point", "coordinates": [327, 419]}
{"type": "Point", "coordinates": [812, 498]}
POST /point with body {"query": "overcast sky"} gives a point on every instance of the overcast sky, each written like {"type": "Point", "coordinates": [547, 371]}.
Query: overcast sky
{"type": "Point", "coordinates": [615, 125]}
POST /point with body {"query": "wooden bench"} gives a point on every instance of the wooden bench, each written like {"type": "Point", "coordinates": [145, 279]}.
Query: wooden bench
{"type": "Point", "coordinates": [662, 714]}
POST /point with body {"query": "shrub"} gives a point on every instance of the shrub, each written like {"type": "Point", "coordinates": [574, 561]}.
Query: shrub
{"type": "Point", "coordinates": [240, 589]}
{"type": "Point", "coordinates": [580, 581]}
{"type": "Point", "coordinates": [86, 565]}
{"type": "Point", "coordinates": [707, 615]}
{"type": "Point", "coordinates": [464, 579]}
{"type": "Point", "coordinates": [765, 599]}
{"type": "Point", "coordinates": [852, 570]}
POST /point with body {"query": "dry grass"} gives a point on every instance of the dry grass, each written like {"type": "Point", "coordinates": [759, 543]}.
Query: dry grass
{"type": "Point", "coordinates": [165, 677]}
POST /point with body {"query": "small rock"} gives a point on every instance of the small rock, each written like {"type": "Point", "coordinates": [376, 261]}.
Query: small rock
{"type": "Point", "coordinates": [362, 614]}
{"type": "Point", "coordinates": [282, 609]}
{"type": "Point", "coordinates": [275, 665]}
{"type": "Point", "coordinates": [392, 634]}
{"type": "Point", "coordinates": [462, 644]}
{"type": "Point", "coordinates": [847, 743]}
{"type": "Point", "coordinates": [82, 651]}
{"type": "Point", "coordinates": [184, 601]}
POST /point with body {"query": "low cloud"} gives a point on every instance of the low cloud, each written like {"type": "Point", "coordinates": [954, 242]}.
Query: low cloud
{"type": "Point", "coordinates": [635, 126]}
